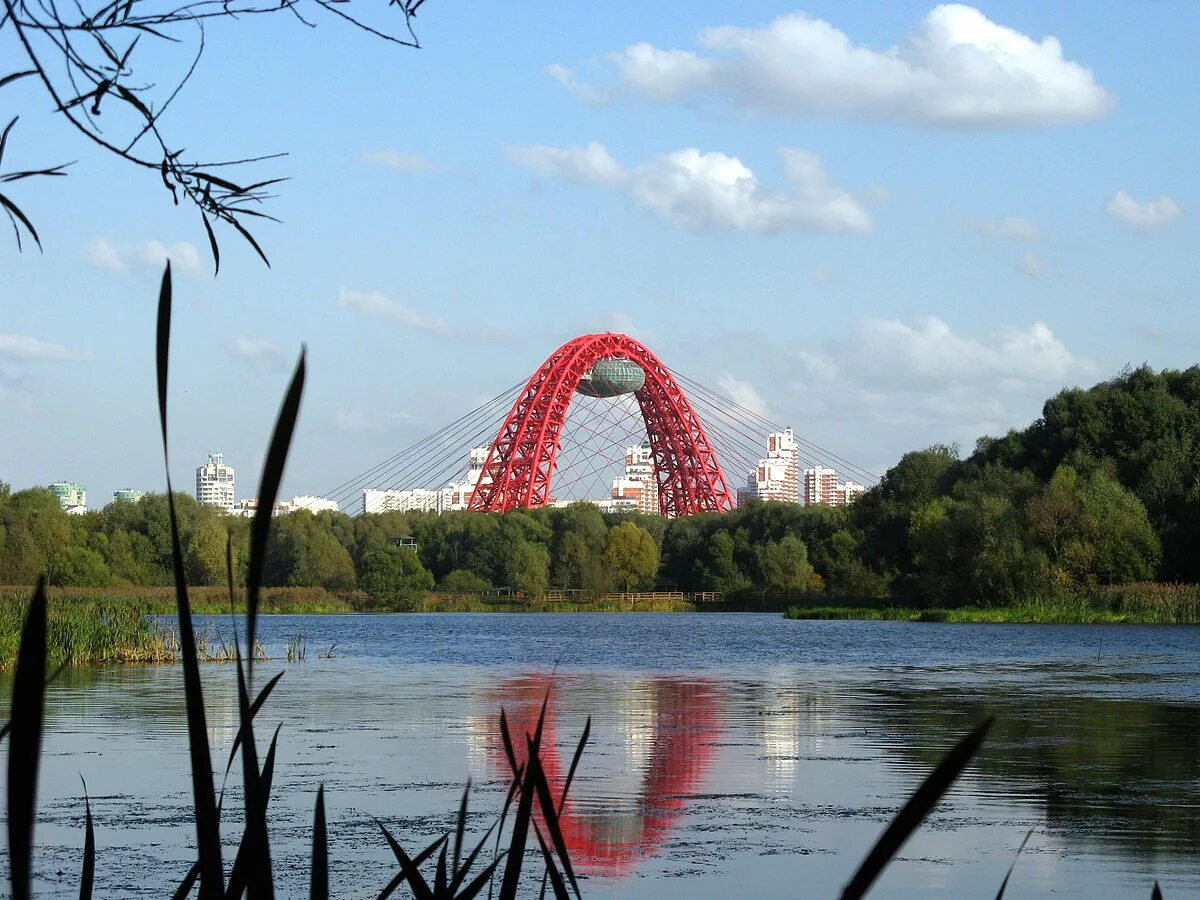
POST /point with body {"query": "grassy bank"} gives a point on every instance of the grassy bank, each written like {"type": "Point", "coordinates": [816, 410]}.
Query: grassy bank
{"type": "Point", "coordinates": [1135, 604]}
{"type": "Point", "coordinates": [88, 632]}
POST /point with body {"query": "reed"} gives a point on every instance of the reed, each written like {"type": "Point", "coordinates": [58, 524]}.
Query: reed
{"type": "Point", "coordinates": [88, 632]}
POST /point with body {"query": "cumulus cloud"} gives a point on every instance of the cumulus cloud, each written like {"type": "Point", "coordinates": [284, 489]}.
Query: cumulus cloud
{"type": "Point", "coordinates": [184, 257]}
{"type": "Point", "coordinates": [102, 254]}
{"type": "Point", "coordinates": [744, 394]}
{"type": "Point", "coordinates": [373, 303]}
{"type": "Point", "coordinates": [1010, 228]}
{"type": "Point", "coordinates": [23, 348]}
{"type": "Point", "coordinates": [709, 191]}
{"type": "Point", "coordinates": [929, 381]}
{"type": "Point", "coordinates": [410, 163]}
{"type": "Point", "coordinates": [592, 164]}
{"type": "Point", "coordinates": [258, 351]}
{"type": "Point", "coordinates": [145, 256]}
{"type": "Point", "coordinates": [1143, 215]}
{"type": "Point", "coordinates": [955, 69]}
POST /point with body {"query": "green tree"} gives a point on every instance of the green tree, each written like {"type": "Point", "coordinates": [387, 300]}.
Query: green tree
{"type": "Point", "coordinates": [783, 565]}
{"type": "Point", "coordinates": [205, 557]}
{"type": "Point", "coordinates": [301, 552]}
{"type": "Point", "coordinates": [631, 556]}
{"type": "Point", "coordinates": [529, 568]}
{"type": "Point", "coordinates": [76, 566]}
{"type": "Point", "coordinates": [463, 581]}
{"type": "Point", "coordinates": [395, 573]}
{"type": "Point", "coordinates": [721, 571]}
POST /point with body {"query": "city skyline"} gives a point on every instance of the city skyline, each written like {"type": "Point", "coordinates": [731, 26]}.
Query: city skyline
{"type": "Point", "coordinates": [890, 269]}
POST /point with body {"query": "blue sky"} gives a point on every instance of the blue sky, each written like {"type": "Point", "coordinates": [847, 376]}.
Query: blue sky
{"type": "Point", "coordinates": [891, 225]}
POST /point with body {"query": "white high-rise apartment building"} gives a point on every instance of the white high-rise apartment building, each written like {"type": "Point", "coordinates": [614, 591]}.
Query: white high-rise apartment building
{"type": "Point", "coordinates": [72, 497]}
{"type": "Point", "coordinates": [822, 486]}
{"type": "Point", "coordinates": [215, 483]}
{"type": "Point", "coordinates": [777, 475]}
{"type": "Point", "coordinates": [638, 487]}
{"type": "Point", "coordinates": [847, 491]}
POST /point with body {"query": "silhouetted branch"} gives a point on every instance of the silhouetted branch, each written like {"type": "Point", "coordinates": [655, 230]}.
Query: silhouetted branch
{"type": "Point", "coordinates": [85, 62]}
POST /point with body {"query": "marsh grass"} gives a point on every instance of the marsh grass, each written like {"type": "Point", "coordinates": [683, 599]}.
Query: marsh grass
{"type": "Point", "coordinates": [88, 632]}
{"type": "Point", "coordinates": [1139, 604]}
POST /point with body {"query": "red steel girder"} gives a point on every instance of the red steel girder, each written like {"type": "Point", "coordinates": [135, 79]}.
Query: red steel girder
{"type": "Point", "coordinates": [522, 459]}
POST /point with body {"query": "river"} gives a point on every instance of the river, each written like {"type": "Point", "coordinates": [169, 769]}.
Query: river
{"type": "Point", "coordinates": [731, 754]}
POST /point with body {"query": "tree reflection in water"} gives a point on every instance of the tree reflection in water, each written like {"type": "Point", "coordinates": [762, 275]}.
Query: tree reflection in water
{"type": "Point", "coordinates": [672, 731]}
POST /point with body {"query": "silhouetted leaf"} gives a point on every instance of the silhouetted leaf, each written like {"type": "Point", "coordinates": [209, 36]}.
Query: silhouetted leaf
{"type": "Point", "coordinates": [250, 239]}
{"type": "Point", "coordinates": [484, 877]}
{"type": "Point", "coordinates": [268, 490]}
{"type": "Point", "coordinates": [1013, 864]}
{"type": "Point", "coordinates": [560, 889]}
{"type": "Point", "coordinates": [9, 79]}
{"type": "Point", "coordinates": [520, 829]}
{"type": "Point", "coordinates": [4, 137]}
{"type": "Point", "coordinates": [460, 828]}
{"type": "Point", "coordinates": [212, 238]}
{"type": "Point", "coordinates": [87, 876]}
{"type": "Point", "coordinates": [13, 210]}
{"type": "Point", "coordinates": [587, 731]}
{"type": "Point", "coordinates": [25, 741]}
{"type": "Point", "coordinates": [185, 886]}
{"type": "Point", "coordinates": [318, 888]}
{"type": "Point", "coordinates": [550, 815]}
{"type": "Point", "coordinates": [208, 834]}
{"type": "Point", "coordinates": [409, 868]}
{"type": "Point", "coordinates": [919, 805]}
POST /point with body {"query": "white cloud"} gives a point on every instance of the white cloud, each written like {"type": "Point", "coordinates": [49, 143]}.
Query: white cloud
{"type": "Point", "coordinates": [743, 393]}
{"type": "Point", "coordinates": [410, 163]}
{"type": "Point", "coordinates": [955, 69]}
{"type": "Point", "coordinates": [145, 256]}
{"type": "Point", "coordinates": [184, 257]}
{"type": "Point", "coordinates": [822, 276]}
{"type": "Point", "coordinates": [101, 253]}
{"type": "Point", "coordinates": [710, 191]}
{"type": "Point", "coordinates": [374, 303]}
{"type": "Point", "coordinates": [919, 383]}
{"type": "Point", "coordinates": [258, 351]}
{"type": "Point", "coordinates": [24, 348]}
{"type": "Point", "coordinates": [1032, 264]}
{"type": "Point", "coordinates": [1144, 215]}
{"type": "Point", "coordinates": [579, 165]}
{"type": "Point", "coordinates": [1010, 228]}
{"type": "Point", "coordinates": [929, 353]}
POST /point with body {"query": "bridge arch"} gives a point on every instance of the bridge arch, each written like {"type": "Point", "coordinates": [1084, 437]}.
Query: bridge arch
{"type": "Point", "coordinates": [521, 460]}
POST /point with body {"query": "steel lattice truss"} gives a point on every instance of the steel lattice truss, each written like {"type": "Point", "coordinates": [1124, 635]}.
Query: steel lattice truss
{"type": "Point", "coordinates": [522, 460]}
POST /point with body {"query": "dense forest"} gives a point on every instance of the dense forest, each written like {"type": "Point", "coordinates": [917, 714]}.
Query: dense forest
{"type": "Point", "coordinates": [1103, 489]}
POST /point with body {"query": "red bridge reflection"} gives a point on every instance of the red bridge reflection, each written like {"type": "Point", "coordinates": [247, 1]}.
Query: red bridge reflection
{"type": "Point", "coordinates": [676, 723]}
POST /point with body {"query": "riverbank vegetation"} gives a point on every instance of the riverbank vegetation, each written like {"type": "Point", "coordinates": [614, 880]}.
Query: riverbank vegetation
{"type": "Point", "coordinates": [1101, 493]}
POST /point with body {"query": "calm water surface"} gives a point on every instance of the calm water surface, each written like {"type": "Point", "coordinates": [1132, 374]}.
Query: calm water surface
{"type": "Point", "coordinates": [736, 755]}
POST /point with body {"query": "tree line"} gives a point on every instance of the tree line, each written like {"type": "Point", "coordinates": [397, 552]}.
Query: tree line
{"type": "Point", "coordinates": [1103, 489]}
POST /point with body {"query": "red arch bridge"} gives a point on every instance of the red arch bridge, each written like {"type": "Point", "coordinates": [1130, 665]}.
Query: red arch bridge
{"type": "Point", "coordinates": [598, 402]}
